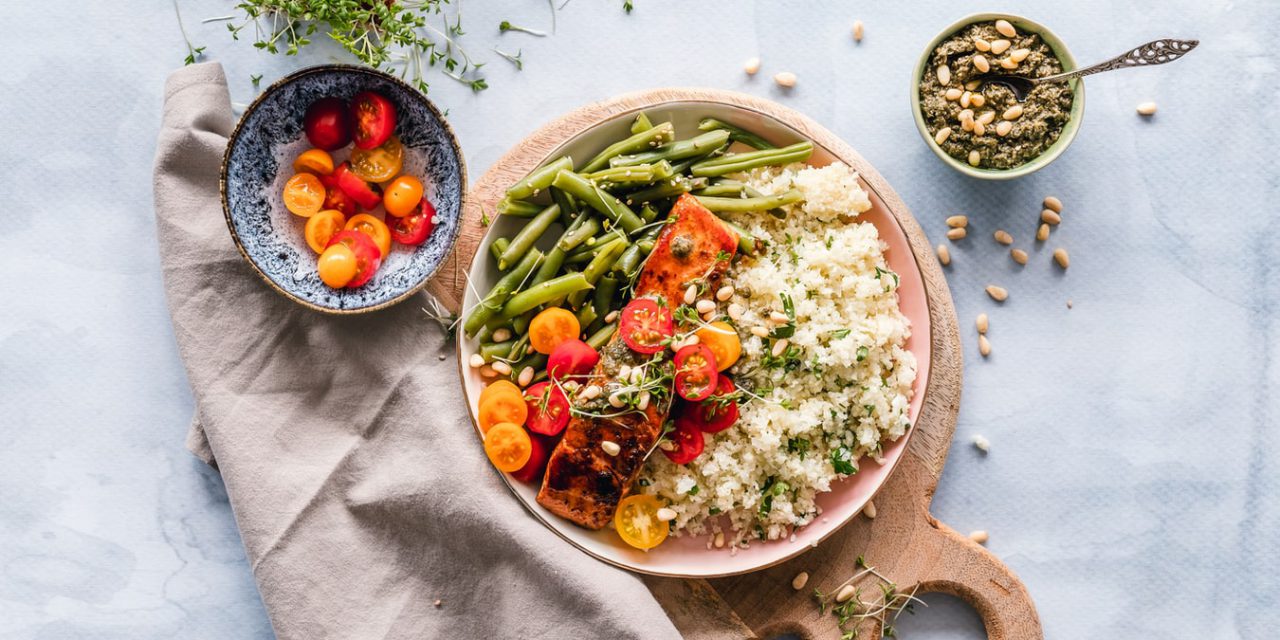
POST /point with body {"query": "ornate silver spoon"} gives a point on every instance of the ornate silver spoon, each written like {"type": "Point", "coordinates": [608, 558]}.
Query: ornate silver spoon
{"type": "Point", "coordinates": [1149, 54]}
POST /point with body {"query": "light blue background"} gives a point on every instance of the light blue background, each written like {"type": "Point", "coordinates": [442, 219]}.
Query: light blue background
{"type": "Point", "coordinates": [1132, 481]}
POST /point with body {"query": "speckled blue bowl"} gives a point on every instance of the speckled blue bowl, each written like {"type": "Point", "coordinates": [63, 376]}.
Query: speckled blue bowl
{"type": "Point", "coordinates": [258, 161]}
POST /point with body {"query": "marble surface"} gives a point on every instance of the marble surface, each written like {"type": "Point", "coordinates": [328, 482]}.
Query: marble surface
{"type": "Point", "coordinates": [1133, 480]}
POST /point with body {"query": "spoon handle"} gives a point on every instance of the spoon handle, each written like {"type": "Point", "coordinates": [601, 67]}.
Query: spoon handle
{"type": "Point", "coordinates": [1149, 54]}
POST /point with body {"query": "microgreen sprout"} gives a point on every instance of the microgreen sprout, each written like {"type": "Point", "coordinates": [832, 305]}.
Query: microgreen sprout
{"type": "Point", "coordinates": [513, 58]}
{"type": "Point", "coordinates": [881, 610]}
{"type": "Point", "coordinates": [194, 53]}
{"type": "Point", "coordinates": [506, 26]}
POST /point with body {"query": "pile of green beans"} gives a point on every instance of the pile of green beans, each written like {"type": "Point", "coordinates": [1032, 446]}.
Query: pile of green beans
{"type": "Point", "coordinates": [589, 227]}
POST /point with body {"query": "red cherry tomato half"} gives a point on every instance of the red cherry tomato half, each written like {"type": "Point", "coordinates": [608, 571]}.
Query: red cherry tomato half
{"type": "Point", "coordinates": [548, 409]}
{"type": "Point", "coordinates": [373, 119]}
{"type": "Point", "coordinates": [645, 325]}
{"type": "Point", "coordinates": [368, 255]}
{"type": "Point", "coordinates": [696, 373]}
{"type": "Point", "coordinates": [571, 358]}
{"type": "Point", "coordinates": [415, 228]}
{"type": "Point", "coordinates": [366, 194]}
{"type": "Point", "coordinates": [328, 124]}
{"type": "Point", "coordinates": [716, 413]}
{"type": "Point", "coordinates": [540, 451]}
{"type": "Point", "coordinates": [689, 442]}
{"type": "Point", "coordinates": [335, 198]}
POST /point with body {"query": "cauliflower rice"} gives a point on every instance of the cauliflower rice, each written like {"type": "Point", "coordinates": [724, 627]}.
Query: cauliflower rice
{"type": "Point", "coordinates": [838, 392]}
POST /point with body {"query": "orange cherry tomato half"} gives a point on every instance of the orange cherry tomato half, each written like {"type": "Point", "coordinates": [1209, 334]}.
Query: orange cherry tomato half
{"type": "Point", "coordinates": [374, 228]}
{"type": "Point", "coordinates": [637, 521]}
{"type": "Point", "coordinates": [498, 386]}
{"type": "Point", "coordinates": [508, 447]}
{"type": "Point", "coordinates": [321, 227]}
{"type": "Point", "coordinates": [337, 265]}
{"type": "Point", "coordinates": [314, 161]}
{"type": "Point", "coordinates": [304, 195]}
{"type": "Point", "coordinates": [551, 327]}
{"type": "Point", "coordinates": [379, 164]}
{"type": "Point", "coordinates": [723, 341]}
{"type": "Point", "coordinates": [502, 407]}
{"type": "Point", "coordinates": [368, 257]}
{"type": "Point", "coordinates": [402, 196]}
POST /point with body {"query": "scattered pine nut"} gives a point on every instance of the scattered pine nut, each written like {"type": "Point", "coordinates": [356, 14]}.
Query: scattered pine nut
{"type": "Point", "coordinates": [965, 98]}
{"type": "Point", "coordinates": [1013, 113]}
{"type": "Point", "coordinates": [437, 603]}
{"type": "Point", "coordinates": [616, 401]}
{"type": "Point", "coordinates": [1042, 233]}
{"type": "Point", "coordinates": [982, 323]}
{"type": "Point", "coordinates": [942, 135]}
{"type": "Point", "coordinates": [1019, 256]}
{"type": "Point", "coordinates": [987, 117]}
{"type": "Point", "coordinates": [999, 46]}
{"type": "Point", "coordinates": [613, 315]}
{"type": "Point", "coordinates": [476, 361]}
{"type": "Point", "coordinates": [1008, 63]}
{"type": "Point", "coordinates": [975, 158]}
{"type": "Point", "coordinates": [1060, 256]}
{"type": "Point", "coordinates": [870, 510]}
{"type": "Point", "coordinates": [1147, 109]}
{"type": "Point", "coordinates": [719, 540]}
{"type": "Point", "coordinates": [1018, 55]}
{"type": "Point", "coordinates": [704, 306]}
{"type": "Point", "coordinates": [953, 94]}
{"type": "Point", "coordinates": [1003, 237]}
{"type": "Point", "coordinates": [526, 376]}
{"type": "Point", "coordinates": [780, 347]}
{"type": "Point", "coordinates": [944, 74]}
{"type": "Point", "coordinates": [759, 331]}
{"type": "Point", "coordinates": [845, 593]}
{"type": "Point", "coordinates": [786, 79]}
{"type": "Point", "coordinates": [979, 129]}
{"type": "Point", "coordinates": [501, 334]}
{"type": "Point", "coordinates": [724, 293]}
{"type": "Point", "coordinates": [858, 29]}
{"type": "Point", "coordinates": [1003, 128]}
{"type": "Point", "coordinates": [487, 372]}
{"type": "Point", "coordinates": [1053, 204]}
{"type": "Point", "coordinates": [997, 293]}
{"type": "Point", "coordinates": [800, 580]}
{"type": "Point", "coordinates": [591, 392]}
{"type": "Point", "coordinates": [778, 317]}
{"type": "Point", "coordinates": [944, 255]}
{"type": "Point", "coordinates": [979, 537]}
{"type": "Point", "coordinates": [751, 66]}
{"type": "Point", "coordinates": [666, 514]}
{"type": "Point", "coordinates": [957, 234]}
{"type": "Point", "coordinates": [501, 367]}
{"type": "Point", "coordinates": [735, 311]}
{"type": "Point", "coordinates": [691, 294]}
{"type": "Point", "coordinates": [980, 63]}
{"type": "Point", "coordinates": [643, 402]}
{"type": "Point", "coordinates": [956, 222]}
{"type": "Point", "coordinates": [980, 441]}
{"type": "Point", "coordinates": [1050, 216]}
{"type": "Point", "coordinates": [978, 100]}
{"type": "Point", "coordinates": [973, 85]}
{"type": "Point", "coordinates": [981, 45]}
{"type": "Point", "coordinates": [610, 447]}
{"type": "Point", "coordinates": [984, 346]}
{"type": "Point", "coordinates": [1006, 28]}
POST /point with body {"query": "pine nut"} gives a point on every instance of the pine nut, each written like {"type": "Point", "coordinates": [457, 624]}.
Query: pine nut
{"type": "Point", "coordinates": [1000, 46]}
{"type": "Point", "coordinates": [786, 79]}
{"type": "Point", "coordinates": [691, 294]}
{"type": "Point", "coordinates": [953, 94]}
{"type": "Point", "coordinates": [978, 100]}
{"type": "Point", "coordinates": [1019, 256]}
{"type": "Point", "coordinates": [1051, 216]}
{"type": "Point", "coordinates": [751, 66]}
{"type": "Point", "coordinates": [1018, 55]}
{"type": "Point", "coordinates": [724, 293]}
{"type": "Point", "coordinates": [1042, 233]}
{"type": "Point", "coordinates": [719, 540]}
{"type": "Point", "coordinates": [487, 372]}
{"type": "Point", "coordinates": [1003, 128]}
{"type": "Point", "coordinates": [965, 114]}
{"type": "Point", "coordinates": [476, 361]}
{"type": "Point", "coordinates": [624, 372]}
{"type": "Point", "coordinates": [973, 85]}
{"type": "Point", "coordinates": [981, 45]}
{"type": "Point", "coordinates": [1053, 203]}
{"type": "Point", "coordinates": [967, 124]}
{"type": "Point", "coordinates": [501, 368]}
{"type": "Point", "coordinates": [613, 315]}
{"type": "Point", "coordinates": [942, 135]}
{"type": "Point", "coordinates": [1060, 256]}
{"type": "Point", "coordinates": [501, 334]}
{"type": "Point", "coordinates": [870, 510]}
{"type": "Point", "coordinates": [778, 317]}
{"type": "Point", "coordinates": [987, 117]}
{"type": "Point", "coordinates": [980, 441]}
{"type": "Point", "coordinates": [759, 331]}
{"type": "Point", "coordinates": [857, 30]}
{"type": "Point", "coordinates": [1003, 237]}
{"type": "Point", "coordinates": [1005, 28]}
{"type": "Point", "coordinates": [526, 376]}
{"type": "Point", "coordinates": [944, 75]}
{"type": "Point", "coordinates": [1013, 113]}
{"type": "Point", "coordinates": [1147, 109]}
{"type": "Point", "coordinates": [979, 129]}
{"type": "Point", "coordinates": [615, 401]}
{"type": "Point", "coordinates": [643, 402]}
{"type": "Point", "coordinates": [1008, 63]}
{"type": "Point", "coordinates": [982, 323]}
{"type": "Point", "coordinates": [997, 293]}
{"type": "Point", "coordinates": [944, 255]}
{"type": "Point", "coordinates": [591, 392]}
{"type": "Point", "coordinates": [735, 311]}
{"type": "Point", "coordinates": [800, 580]}
{"type": "Point", "coordinates": [704, 306]}
{"type": "Point", "coordinates": [956, 222]}
{"type": "Point", "coordinates": [610, 447]}
{"type": "Point", "coordinates": [693, 339]}
{"type": "Point", "coordinates": [965, 98]}
{"type": "Point", "coordinates": [984, 346]}
{"type": "Point", "coordinates": [980, 63]}
{"type": "Point", "coordinates": [979, 537]}
{"type": "Point", "coordinates": [780, 347]}
{"type": "Point", "coordinates": [709, 316]}
{"type": "Point", "coordinates": [845, 593]}
{"type": "Point", "coordinates": [957, 234]}
{"type": "Point", "coordinates": [975, 158]}
{"type": "Point", "coordinates": [666, 514]}
{"type": "Point", "coordinates": [571, 386]}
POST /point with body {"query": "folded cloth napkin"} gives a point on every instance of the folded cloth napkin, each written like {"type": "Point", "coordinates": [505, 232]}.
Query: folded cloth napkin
{"type": "Point", "coordinates": [367, 507]}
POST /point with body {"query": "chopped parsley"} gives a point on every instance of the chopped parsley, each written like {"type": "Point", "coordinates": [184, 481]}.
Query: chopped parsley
{"type": "Point", "coordinates": [694, 491]}
{"type": "Point", "coordinates": [799, 445]}
{"type": "Point", "coordinates": [863, 352]}
{"type": "Point", "coordinates": [789, 329]}
{"type": "Point", "coordinates": [842, 461]}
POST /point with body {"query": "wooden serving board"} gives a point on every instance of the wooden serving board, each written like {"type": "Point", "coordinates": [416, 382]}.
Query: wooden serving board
{"type": "Point", "coordinates": [904, 542]}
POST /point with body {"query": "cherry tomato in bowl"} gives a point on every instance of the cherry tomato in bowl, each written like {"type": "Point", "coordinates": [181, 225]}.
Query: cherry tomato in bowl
{"type": "Point", "coordinates": [715, 414]}
{"type": "Point", "coordinates": [321, 228]}
{"type": "Point", "coordinates": [402, 196]}
{"type": "Point", "coordinates": [645, 325]}
{"type": "Point", "coordinates": [334, 198]}
{"type": "Point", "coordinates": [374, 228]}
{"type": "Point", "coordinates": [548, 409]}
{"type": "Point", "coordinates": [379, 164]}
{"type": "Point", "coordinates": [328, 124]}
{"type": "Point", "coordinates": [415, 228]}
{"type": "Point", "coordinates": [688, 441]}
{"type": "Point", "coordinates": [365, 193]}
{"type": "Point", "coordinates": [368, 256]}
{"type": "Point", "coordinates": [337, 265]}
{"type": "Point", "coordinates": [373, 119]}
{"type": "Point", "coordinates": [571, 358]}
{"type": "Point", "coordinates": [696, 372]}
{"type": "Point", "coordinates": [317, 161]}
{"type": "Point", "coordinates": [304, 195]}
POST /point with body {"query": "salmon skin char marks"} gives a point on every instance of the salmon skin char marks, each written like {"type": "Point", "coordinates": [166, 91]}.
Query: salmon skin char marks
{"type": "Point", "coordinates": [584, 484]}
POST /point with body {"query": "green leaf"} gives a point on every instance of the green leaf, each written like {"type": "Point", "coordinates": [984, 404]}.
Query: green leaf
{"type": "Point", "coordinates": [842, 461]}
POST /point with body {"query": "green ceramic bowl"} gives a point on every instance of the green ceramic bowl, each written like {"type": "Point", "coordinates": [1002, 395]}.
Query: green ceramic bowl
{"type": "Point", "coordinates": [1050, 154]}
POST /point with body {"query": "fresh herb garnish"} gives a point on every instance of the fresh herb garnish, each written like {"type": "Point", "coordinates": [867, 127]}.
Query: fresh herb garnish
{"type": "Point", "coordinates": [256, 80]}
{"type": "Point", "coordinates": [789, 329]}
{"type": "Point", "coordinates": [798, 445]}
{"type": "Point", "coordinates": [863, 352]}
{"type": "Point", "coordinates": [506, 26]}
{"type": "Point", "coordinates": [840, 333]}
{"type": "Point", "coordinates": [193, 52]}
{"type": "Point", "coordinates": [512, 58]}
{"type": "Point", "coordinates": [694, 491]}
{"type": "Point", "coordinates": [842, 461]}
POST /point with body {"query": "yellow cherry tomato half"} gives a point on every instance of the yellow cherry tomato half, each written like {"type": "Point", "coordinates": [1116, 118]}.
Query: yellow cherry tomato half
{"type": "Point", "coordinates": [380, 163]}
{"type": "Point", "coordinates": [551, 327]}
{"type": "Point", "coordinates": [338, 265]}
{"type": "Point", "coordinates": [374, 228]}
{"type": "Point", "coordinates": [314, 161]}
{"type": "Point", "coordinates": [508, 446]}
{"type": "Point", "coordinates": [304, 195]}
{"type": "Point", "coordinates": [498, 386]}
{"type": "Point", "coordinates": [321, 227]}
{"type": "Point", "coordinates": [502, 406]}
{"type": "Point", "coordinates": [402, 196]}
{"type": "Point", "coordinates": [637, 521]}
{"type": "Point", "coordinates": [723, 341]}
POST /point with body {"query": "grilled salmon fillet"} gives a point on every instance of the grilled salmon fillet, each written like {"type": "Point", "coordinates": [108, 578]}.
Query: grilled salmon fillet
{"type": "Point", "coordinates": [584, 484]}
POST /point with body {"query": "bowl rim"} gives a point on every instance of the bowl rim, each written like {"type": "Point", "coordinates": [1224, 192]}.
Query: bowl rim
{"type": "Point", "coordinates": [1069, 130]}
{"type": "Point", "coordinates": [351, 68]}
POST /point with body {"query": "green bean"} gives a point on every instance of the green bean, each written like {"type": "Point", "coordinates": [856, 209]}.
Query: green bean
{"type": "Point", "coordinates": [598, 266]}
{"type": "Point", "coordinates": [695, 146]}
{"type": "Point", "coordinates": [600, 338]}
{"type": "Point", "coordinates": [641, 124]}
{"type": "Point", "coordinates": [642, 141]}
{"type": "Point", "coordinates": [682, 167]}
{"type": "Point", "coordinates": [587, 314]}
{"type": "Point", "coordinates": [646, 246]}
{"type": "Point", "coordinates": [577, 232]}
{"type": "Point", "coordinates": [539, 179]}
{"type": "Point", "coordinates": [648, 213]}
{"type": "Point", "coordinates": [629, 262]}
{"type": "Point", "coordinates": [672, 187]}
{"type": "Point", "coordinates": [568, 206]}
{"type": "Point", "coordinates": [501, 291]}
{"type": "Point", "coordinates": [752, 159]}
{"type": "Point", "coordinates": [747, 243]}
{"type": "Point", "coordinates": [591, 246]}
{"type": "Point", "coordinates": [491, 350]}
{"type": "Point", "coordinates": [728, 190]}
{"type": "Point", "coordinates": [520, 324]}
{"type": "Point", "coordinates": [498, 246]}
{"type": "Point", "coordinates": [633, 174]}
{"type": "Point", "coordinates": [536, 360]}
{"type": "Point", "coordinates": [518, 208]}
{"type": "Point", "coordinates": [520, 348]}
{"type": "Point", "coordinates": [602, 298]}
{"type": "Point", "coordinates": [525, 240]}
{"type": "Point", "coordinates": [543, 293]}
{"type": "Point", "coordinates": [742, 205]}
{"type": "Point", "coordinates": [551, 264]}
{"type": "Point", "coordinates": [597, 199]}
{"type": "Point", "coordinates": [737, 134]}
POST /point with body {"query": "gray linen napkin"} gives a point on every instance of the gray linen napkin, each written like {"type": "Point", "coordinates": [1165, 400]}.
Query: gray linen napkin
{"type": "Point", "coordinates": [359, 488]}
